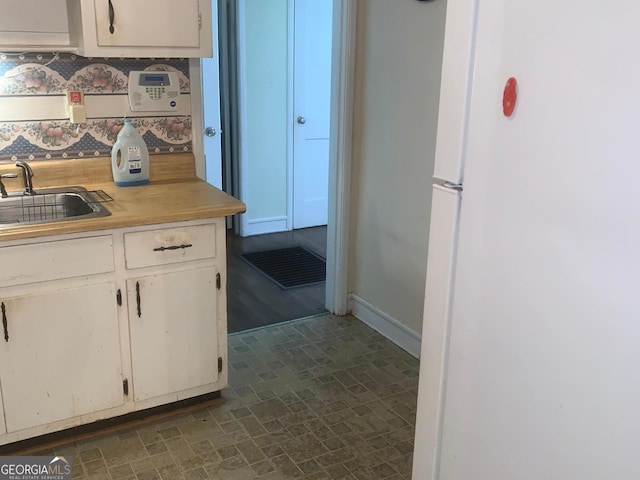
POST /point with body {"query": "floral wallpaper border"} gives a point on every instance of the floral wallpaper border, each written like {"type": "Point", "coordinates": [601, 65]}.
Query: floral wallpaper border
{"type": "Point", "coordinates": [35, 79]}
{"type": "Point", "coordinates": [57, 139]}
{"type": "Point", "coordinates": [26, 77]}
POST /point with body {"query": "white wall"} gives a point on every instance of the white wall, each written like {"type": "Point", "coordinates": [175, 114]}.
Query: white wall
{"type": "Point", "coordinates": [398, 66]}
{"type": "Point", "coordinates": [263, 54]}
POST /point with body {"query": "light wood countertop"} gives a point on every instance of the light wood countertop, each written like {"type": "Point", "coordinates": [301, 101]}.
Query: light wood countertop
{"type": "Point", "coordinates": [173, 194]}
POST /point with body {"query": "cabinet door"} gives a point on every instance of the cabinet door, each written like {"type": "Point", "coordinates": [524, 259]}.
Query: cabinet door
{"type": "Point", "coordinates": [145, 23]}
{"type": "Point", "coordinates": [173, 325]}
{"type": "Point", "coordinates": [62, 355]}
{"type": "Point", "coordinates": [33, 22]}
{"type": "Point", "coordinates": [3, 426]}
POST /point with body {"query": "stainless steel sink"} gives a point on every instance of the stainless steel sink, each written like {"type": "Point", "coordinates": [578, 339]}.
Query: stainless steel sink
{"type": "Point", "coordinates": [51, 205]}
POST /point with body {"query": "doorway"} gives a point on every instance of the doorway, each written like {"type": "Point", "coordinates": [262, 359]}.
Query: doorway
{"type": "Point", "coordinates": [279, 121]}
{"type": "Point", "coordinates": [253, 299]}
{"type": "Point", "coordinates": [283, 104]}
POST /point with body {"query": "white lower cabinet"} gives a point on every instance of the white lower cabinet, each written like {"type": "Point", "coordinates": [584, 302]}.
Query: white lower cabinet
{"type": "Point", "coordinates": [60, 355]}
{"type": "Point", "coordinates": [173, 325]}
{"type": "Point", "coordinates": [135, 319]}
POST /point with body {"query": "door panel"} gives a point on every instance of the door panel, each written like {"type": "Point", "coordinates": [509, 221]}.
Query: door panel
{"type": "Point", "coordinates": [445, 213]}
{"type": "Point", "coordinates": [211, 104]}
{"type": "Point", "coordinates": [63, 356]}
{"type": "Point", "coordinates": [161, 23]}
{"type": "Point", "coordinates": [174, 340]}
{"type": "Point", "coordinates": [543, 379]}
{"type": "Point", "coordinates": [312, 102]}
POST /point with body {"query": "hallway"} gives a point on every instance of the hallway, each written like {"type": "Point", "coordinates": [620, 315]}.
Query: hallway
{"type": "Point", "coordinates": [255, 301]}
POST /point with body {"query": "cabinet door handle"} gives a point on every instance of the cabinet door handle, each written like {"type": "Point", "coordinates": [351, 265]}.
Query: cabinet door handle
{"type": "Point", "coordinates": [173, 247]}
{"type": "Point", "coordinates": [138, 299]}
{"type": "Point", "coordinates": [112, 16]}
{"type": "Point", "coordinates": [4, 323]}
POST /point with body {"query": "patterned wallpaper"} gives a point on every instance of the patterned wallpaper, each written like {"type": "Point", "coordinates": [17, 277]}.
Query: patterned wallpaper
{"type": "Point", "coordinates": [25, 81]}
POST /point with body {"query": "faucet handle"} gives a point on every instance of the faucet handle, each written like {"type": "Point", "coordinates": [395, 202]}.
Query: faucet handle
{"type": "Point", "coordinates": [3, 191]}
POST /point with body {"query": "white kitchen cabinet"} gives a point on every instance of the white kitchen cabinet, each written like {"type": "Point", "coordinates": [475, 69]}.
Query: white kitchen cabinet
{"type": "Point", "coordinates": [102, 324]}
{"type": "Point", "coordinates": [144, 28]}
{"type": "Point", "coordinates": [173, 325]}
{"type": "Point", "coordinates": [60, 355]}
{"type": "Point", "coordinates": [177, 322]}
{"type": "Point", "coordinates": [55, 260]}
{"type": "Point", "coordinates": [34, 25]}
{"type": "Point", "coordinates": [170, 245]}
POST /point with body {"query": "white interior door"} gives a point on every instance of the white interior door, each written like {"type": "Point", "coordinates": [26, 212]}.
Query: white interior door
{"type": "Point", "coordinates": [211, 103]}
{"type": "Point", "coordinates": [311, 107]}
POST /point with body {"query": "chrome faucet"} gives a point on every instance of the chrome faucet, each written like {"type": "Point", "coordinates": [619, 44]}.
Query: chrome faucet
{"type": "Point", "coordinates": [27, 174]}
{"type": "Point", "coordinates": [3, 191]}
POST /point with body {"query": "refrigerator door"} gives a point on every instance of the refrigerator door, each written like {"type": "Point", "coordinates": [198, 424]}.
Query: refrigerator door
{"type": "Point", "coordinates": [445, 209]}
{"type": "Point", "coordinates": [543, 377]}
{"type": "Point", "coordinates": [454, 91]}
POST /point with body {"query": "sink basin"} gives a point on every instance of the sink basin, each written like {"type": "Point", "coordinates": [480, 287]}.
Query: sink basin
{"type": "Point", "coordinates": [50, 205]}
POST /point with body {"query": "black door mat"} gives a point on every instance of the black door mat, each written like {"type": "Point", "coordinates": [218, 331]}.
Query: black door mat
{"type": "Point", "coordinates": [289, 267]}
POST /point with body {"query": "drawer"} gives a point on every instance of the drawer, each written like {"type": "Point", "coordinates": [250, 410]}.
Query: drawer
{"type": "Point", "coordinates": [169, 245]}
{"type": "Point", "coordinates": [40, 262]}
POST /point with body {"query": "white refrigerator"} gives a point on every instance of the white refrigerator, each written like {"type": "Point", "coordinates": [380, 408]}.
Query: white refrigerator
{"type": "Point", "coordinates": [530, 365]}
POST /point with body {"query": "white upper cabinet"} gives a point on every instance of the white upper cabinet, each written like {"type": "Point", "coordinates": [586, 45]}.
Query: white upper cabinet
{"type": "Point", "coordinates": [108, 28]}
{"type": "Point", "coordinates": [168, 24]}
{"type": "Point", "coordinates": [34, 25]}
{"type": "Point", "coordinates": [144, 28]}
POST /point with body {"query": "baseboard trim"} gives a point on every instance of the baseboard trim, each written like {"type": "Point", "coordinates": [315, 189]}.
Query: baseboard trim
{"type": "Point", "coordinates": [261, 226]}
{"type": "Point", "coordinates": [385, 325]}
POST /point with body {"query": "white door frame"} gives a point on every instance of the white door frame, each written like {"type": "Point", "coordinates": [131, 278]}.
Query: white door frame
{"type": "Point", "coordinates": [197, 115]}
{"type": "Point", "coordinates": [342, 97]}
{"type": "Point", "coordinates": [343, 61]}
{"type": "Point", "coordinates": [291, 22]}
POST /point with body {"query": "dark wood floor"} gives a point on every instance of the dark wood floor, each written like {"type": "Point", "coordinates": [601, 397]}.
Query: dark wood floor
{"type": "Point", "coordinates": [252, 299]}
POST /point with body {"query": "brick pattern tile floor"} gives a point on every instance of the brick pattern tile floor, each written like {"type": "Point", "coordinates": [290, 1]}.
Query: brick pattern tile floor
{"type": "Point", "coordinates": [318, 398]}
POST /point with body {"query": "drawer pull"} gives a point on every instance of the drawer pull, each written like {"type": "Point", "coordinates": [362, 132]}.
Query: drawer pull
{"type": "Point", "coordinates": [138, 299]}
{"type": "Point", "coordinates": [173, 247]}
{"type": "Point", "coordinates": [4, 323]}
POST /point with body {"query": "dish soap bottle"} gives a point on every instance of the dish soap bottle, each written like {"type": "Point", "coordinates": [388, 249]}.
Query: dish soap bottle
{"type": "Point", "coordinates": [129, 157]}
